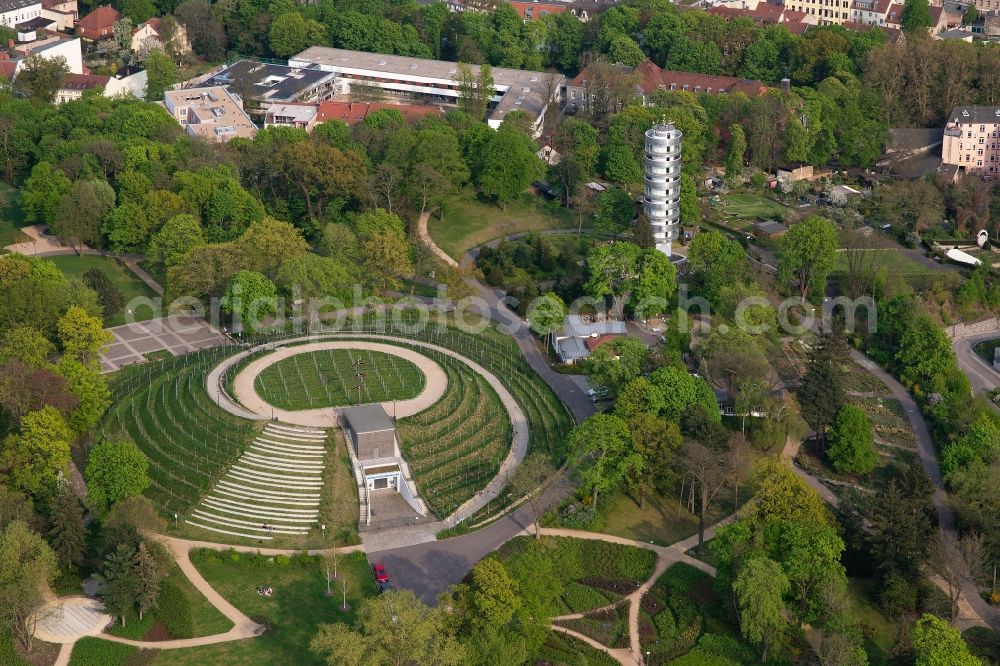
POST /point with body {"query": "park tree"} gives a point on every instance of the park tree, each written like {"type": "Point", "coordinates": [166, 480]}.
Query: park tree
{"type": "Point", "coordinates": [385, 256]}
{"type": "Point", "coordinates": [681, 390]}
{"type": "Point", "coordinates": [916, 18]}
{"type": "Point", "coordinates": [208, 38]}
{"type": "Point", "coordinates": [316, 276]}
{"type": "Point", "coordinates": [716, 261]}
{"type": "Point", "coordinates": [91, 391]}
{"type": "Point", "coordinates": [39, 78]}
{"type": "Point", "coordinates": [42, 192]}
{"type": "Point", "coordinates": [24, 389]}
{"type": "Point", "coordinates": [637, 396]}
{"type": "Point", "coordinates": [493, 595]}
{"type": "Point", "coordinates": [852, 442]}
{"type": "Point", "coordinates": [937, 643]}
{"type": "Point", "coordinates": [115, 470]}
{"type": "Point", "coordinates": [901, 527]}
{"type": "Point", "coordinates": [705, 470]}
{"type": "Point", "coordinates": [475, 90]}
{"type": "Point", "coordinates": [291, 32]}
{"type": "Point", "coordinates": [322, 173]}
{"type": "Point", "coordinates": [509, 165]}
{"type": "Point", "coordinates": [149, 574]}
{"type": "Point", "coordinates": [270, 243]}
{"type": "Point", "coordinates": [121, 38]}
{"type": "Point", "coordinates": [121, 582]}
{"type": "Point", "coordinates": [734, 357]}
{"type": "Point", "coordinates": [547, 313]}
{"type": "Point", "coordinates": [807, 253]}
{"type": "Point", "coordinates": [615, 211]}
{"type": "Point", "coordinates": [67, 536]}
{"type": "Point", "coordinates": [924, 354]}
{"type": "Point", "coordinates": [760, 588]}
{"type": "Point", "coordinates": [27, 345]}
{"type": "Point", "coordinates": [392, 628]}
{"type": "Point", "coordinates": [38, 451]}
{"type": "Point", "coordinates": [109, 296]}
{"type": "Point", "coordinates": [612, 271]}
{"type": "Point", "coordinates": [601, 449]}
{"type": "Point", "coordinates": [27, 568]}
{"type": "Point", "coordinates": [81, 211]}
{"type": "Point", "coordinates": [82, 335]}
{"type": "Point", "coordinates": [225, 209]}
{"type": "Point", "coordinates": [616, 363]}
{"type": "Point", "coordinates": [251, 297]}
{"type": "Point", "coordinates": [532, 479]}
{"type": "Point", "coordinates": [658, 442]}
{"type": "Point", "coordinates": [822, 393]}
{"type": "Point", "coordinates": [734, 153]}
{"type": "Point", "coordinates": [177, 235]}
{"type": "Point", "coordinates": [655, 284]}
{"type": "Point", "coordinates": [161, 73]}
{"type": "Point", "coordinates": [127, 227]}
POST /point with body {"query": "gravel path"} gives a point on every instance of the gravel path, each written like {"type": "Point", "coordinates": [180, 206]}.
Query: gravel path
{"type": "Point", "coordinates": [436, 383]}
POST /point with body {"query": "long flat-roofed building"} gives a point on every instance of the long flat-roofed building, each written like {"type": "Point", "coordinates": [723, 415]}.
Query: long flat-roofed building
{"type": "Point", "coordinates": [270, 82]}
{"type": "Point", "coordinates": [434, 81]}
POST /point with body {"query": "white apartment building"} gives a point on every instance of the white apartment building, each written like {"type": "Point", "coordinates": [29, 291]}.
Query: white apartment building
{"type": "Point", "coordinates": [13, 12]}
{"type": "Point", "coordinates": [972, 140]}
{"type": "Point", "coordinates": [211, 113]}
{"type": "Point", "coordinates": [434, 81]}
{"type": "Point", "coordinates": [827, 12]}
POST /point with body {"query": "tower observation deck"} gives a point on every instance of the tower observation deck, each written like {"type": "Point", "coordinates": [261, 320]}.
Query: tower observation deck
{"type": "Point", "coordinates": [662, 199]}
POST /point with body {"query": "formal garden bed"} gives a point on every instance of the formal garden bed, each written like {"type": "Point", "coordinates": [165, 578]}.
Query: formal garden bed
{"type": "Point", "coordinates": [607, 626]}
{"type": "Point", "coordinates": [562, 649]}
{"type": "Point", "coordinates": [585, 573]}
{"type": "Point", "coordinates": [681, 615]}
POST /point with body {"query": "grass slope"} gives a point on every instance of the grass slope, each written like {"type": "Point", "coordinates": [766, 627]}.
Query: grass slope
{"type": "Point", "coordinates": [294, 613]}
{"type": "Point", "coordinates": [327, 379]}
{"type": "Point", "coordinates": [128, 283]}
{"type": "Point", "coordinates": [469, 223]}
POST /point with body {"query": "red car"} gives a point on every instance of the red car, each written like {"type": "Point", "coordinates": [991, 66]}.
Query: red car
{"type": "Point", "coordinates": [381, 575]}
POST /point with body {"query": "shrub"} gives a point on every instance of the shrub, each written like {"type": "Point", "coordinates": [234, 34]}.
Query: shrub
{"type": "Point", "coordinates": [90, 651]}
{"type": "Point", "coordinates": [897, 595]}
{"type": "Point", "coordinates": [233, 556]}
{"type": "Point", "coordinates": [726, 647]}
{"type": "Point", "coordinates": [665, 624]}
{"type": "Point", "coordinates": [581, 598]}
{"type": "Point", "coordinates": [173, 609]}
{"type": "Point", "coordinates": [282, 560]}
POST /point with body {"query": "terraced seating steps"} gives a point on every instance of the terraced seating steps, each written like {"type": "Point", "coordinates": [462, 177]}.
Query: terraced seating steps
{"type": "Point", "coordinates": [273, 488]}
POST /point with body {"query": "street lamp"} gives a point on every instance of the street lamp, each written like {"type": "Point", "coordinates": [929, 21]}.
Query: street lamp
{"type": "Point", "coordinates": [323, 527]}
{"type": "Point", "coordinates": [175, 521]}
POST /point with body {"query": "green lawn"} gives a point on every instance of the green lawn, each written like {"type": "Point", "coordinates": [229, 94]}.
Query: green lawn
{"type": "Point", "coordinates": [662, 521]}
{"type": "Point", "coordinates": [298, 607]}
{"type": "Point", "coordinates": [127, 282]}
{"type": "Point", "coordinates": [11, 216]}
{"type": "Point", "coordinates": [751, 206]}
{"type": "Point", "coordinates": [469, 223]}
{"type": "Point", "coordinates": [881, 634]}
{"type": "Point", "coordinates": [327, 378]}
{"type": "Point", "coordinates": [896, 264]}
{"type": "Point", "coordinates": [90, 651]}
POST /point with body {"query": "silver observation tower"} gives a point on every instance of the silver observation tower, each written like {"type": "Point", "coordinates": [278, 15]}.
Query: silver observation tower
{"type": "Point", "coordinates": [662, 200]}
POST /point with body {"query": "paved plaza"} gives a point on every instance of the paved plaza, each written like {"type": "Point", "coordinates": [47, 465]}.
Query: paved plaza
{"type": "Point", "coordinates": [176, 334]}
{"type": "Point", "coordinates": [68, 619]}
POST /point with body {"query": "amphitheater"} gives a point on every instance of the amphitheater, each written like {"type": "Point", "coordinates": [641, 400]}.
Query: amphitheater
{"type": "Point", "coordinates": [228, 463]}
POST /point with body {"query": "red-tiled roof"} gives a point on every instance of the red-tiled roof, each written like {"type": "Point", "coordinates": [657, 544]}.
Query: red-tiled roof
{"type": "Point", "coordinates": [101, 18]}
{"type": "Point", "coordinates": [153, 23]}
{"type": "Point", "coordinates": [7, 68]}
{"type": "Point", "coordinates": [651, 77]}
{"type": "Point", "coordinates": [84, 81]}
{"type": "Point", "coordinates": [538, 9]}
{"type": "Point", "coordinates": [797, 27]}
{"type": "Point", "coordinates": [353, 113]}
{"type": "Point", "coordinates": [598, 341]}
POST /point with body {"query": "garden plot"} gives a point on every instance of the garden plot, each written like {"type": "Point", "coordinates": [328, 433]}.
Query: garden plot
{"type": "Point", "coordinates": [273, 488]}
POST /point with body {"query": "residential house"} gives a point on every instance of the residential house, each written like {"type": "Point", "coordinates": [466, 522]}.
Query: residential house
{"type": "Point", "coordinates": [971, 140]}
{"type": "Point", "coordinates": [149, 35]}
{"type": "Point", "coordinates": [51, 46]}
{"type": "Point", "coordinates": [211, 113]}
{"type": "Point", "coordinates": [63, 12]}
{"type": "Point", "coordinates": [98, 24]}
{"type": "Point", "coordinates": [534, 11]}
{"type": "Point", "coordinates": [582, 335]}
{"type": "Point", "coordinates": [765, 14]}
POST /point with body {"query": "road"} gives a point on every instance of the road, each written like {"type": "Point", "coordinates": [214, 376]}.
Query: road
{"type": "Point", "coordinates": [981, 374]}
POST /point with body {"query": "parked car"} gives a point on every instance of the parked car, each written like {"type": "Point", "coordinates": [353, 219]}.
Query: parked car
{"type": "Point", "coordinates": [381, 575]}
{"type": "Point", "coordinates": [598, 394]}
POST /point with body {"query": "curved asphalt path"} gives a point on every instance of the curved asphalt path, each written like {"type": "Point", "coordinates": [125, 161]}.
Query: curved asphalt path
{"type": "Point", "coordinates": [981, 374]}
